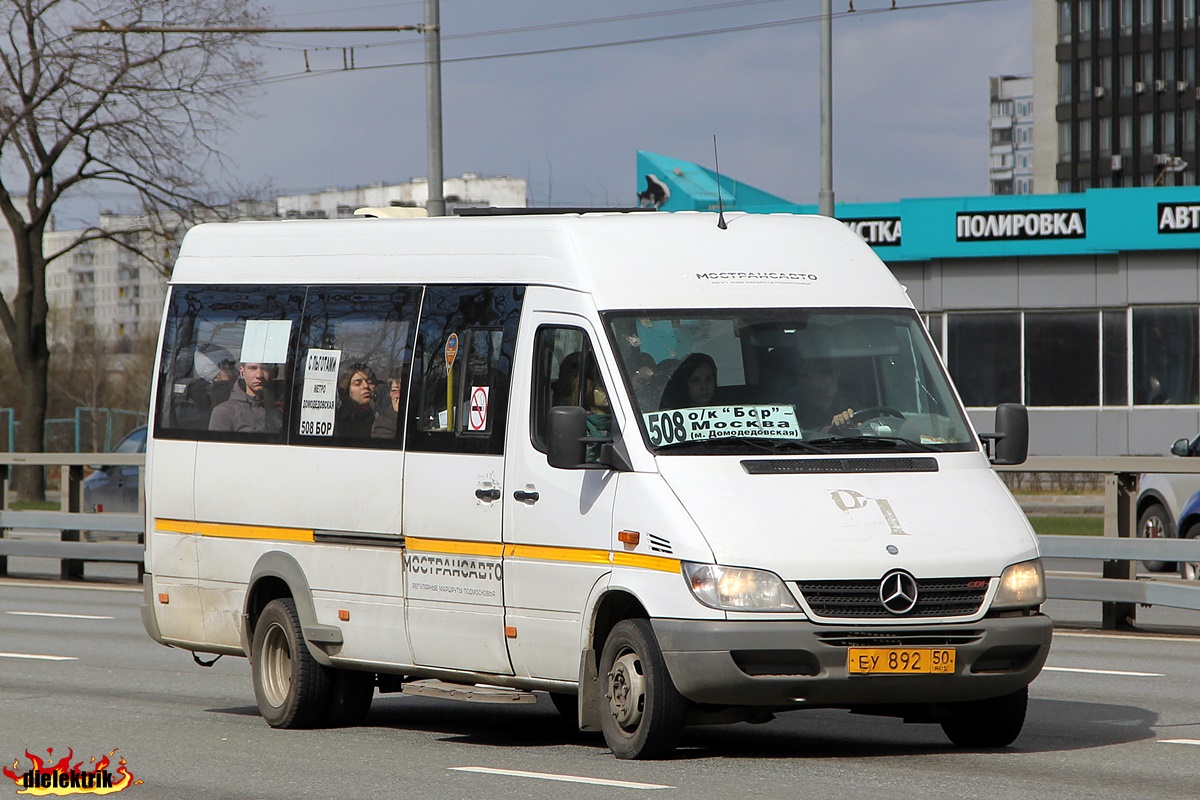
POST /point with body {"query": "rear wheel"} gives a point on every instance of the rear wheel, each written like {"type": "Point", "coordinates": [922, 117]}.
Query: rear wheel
{"type": "Point", "coordinates": [1155, 524]}
{"type": "Point", "coordinates": [1190, 570]}
{"type": "Point", "coordinates": [291, 688]}
{"type": "Point", "coordinates": [641, 712]}
{"type": "Point", "coordinates": [995, 722]}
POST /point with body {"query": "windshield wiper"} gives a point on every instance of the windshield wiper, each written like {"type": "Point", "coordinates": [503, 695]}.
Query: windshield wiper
{"type": "Point", "coordinates": [891, 442]}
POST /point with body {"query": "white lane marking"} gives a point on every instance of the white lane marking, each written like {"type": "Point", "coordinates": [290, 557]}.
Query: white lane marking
{"type": "Point", "coordinates": [52, 614]}
{"type": "Point", "coordinates": [1179, 741]}
{"type": "Point", "coordinates": [37, 657]}
{"type": "Point", "coordinates": [1126, 636]}
{"type": "Point", "coordinates": [550, 776]}
{"type": "Point", "coordinates": [1121, 673]}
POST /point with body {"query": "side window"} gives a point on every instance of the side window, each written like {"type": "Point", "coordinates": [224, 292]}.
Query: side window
{"type": "Point", "coordinates": [565, 374]}
{"type": "Point", "coordinates": [352, 378]}
{"type": "Point", "coordinates": [462, 368]}
{"type": "Point", "coordinates": [226, 362]}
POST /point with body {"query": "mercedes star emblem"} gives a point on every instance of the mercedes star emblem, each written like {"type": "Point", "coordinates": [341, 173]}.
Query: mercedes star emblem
{"type": "Point", "coordinates": [898, 592]}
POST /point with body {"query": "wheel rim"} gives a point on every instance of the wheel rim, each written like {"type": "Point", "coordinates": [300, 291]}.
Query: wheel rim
{"type": "Point", "coordinates": [276, 667]}
{"type": "Point", "coordinates": [1153, 528]}
{"type": "Point", "coordinates": [627, 691]}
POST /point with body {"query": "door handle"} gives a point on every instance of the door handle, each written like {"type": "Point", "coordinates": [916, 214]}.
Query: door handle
{"type": "Point", "coordinates": [526, 497]}
{"type": "Point", "coordinates": [488, 494]}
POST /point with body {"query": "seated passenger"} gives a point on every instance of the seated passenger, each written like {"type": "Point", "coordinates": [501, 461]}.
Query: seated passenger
{"type": "Point", "coordinates": [595, 402]}
{"type": "Point", "coordinates": [385, 424]}
{"type": "Point", "coordinates": [356, 394]}
{"type": "Point", "coordinates": [692, 384]}
{"type": "Point", "coordinates": [250, 408]}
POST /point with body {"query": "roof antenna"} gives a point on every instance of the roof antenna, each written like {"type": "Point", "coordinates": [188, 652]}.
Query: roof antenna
{"type": "Point", "coordinates": [720, 204]}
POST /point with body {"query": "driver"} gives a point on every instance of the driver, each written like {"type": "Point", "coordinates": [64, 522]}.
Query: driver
{"type": "Point", "coordinates": [819, 407]}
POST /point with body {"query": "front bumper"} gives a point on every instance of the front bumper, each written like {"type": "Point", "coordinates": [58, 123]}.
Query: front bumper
{"type": "Point", "coordinates": [796, 663]}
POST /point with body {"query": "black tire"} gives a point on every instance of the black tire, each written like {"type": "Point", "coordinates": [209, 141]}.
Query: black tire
{"type": "Point", "coordinates": [1154, 523]}
{"type": "Point", "coordinates": [291, 688]}
{"type": "Point", "coordinates": [641, 711]}
{"type": "Point", "coordinates": [995, 722]}
{"type": "Point", "coordinates": [350, 695]}
{"type": "Point", "coordinates": [566, 704]}
{"type": "Point", "coordinates": [1190, 570]}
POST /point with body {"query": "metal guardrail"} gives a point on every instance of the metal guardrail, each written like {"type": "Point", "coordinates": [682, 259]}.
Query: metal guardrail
{"type": "Point", "coordinates": [70, 520]}
{"type": "Point", "coordinates": [1119, 589]}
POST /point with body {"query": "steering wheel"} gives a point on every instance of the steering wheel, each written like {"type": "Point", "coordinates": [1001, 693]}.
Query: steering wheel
{"type": "Point", "coordinates": [874, 412]}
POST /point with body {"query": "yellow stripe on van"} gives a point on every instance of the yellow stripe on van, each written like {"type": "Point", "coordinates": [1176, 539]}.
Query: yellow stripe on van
{"type": "Point", "coordinates": [577, 555]}
{"type": "Point", "coordinates": [227, 531]}
{"type": "Point", "coordinates": [454, 547]}
{"type": "Point", "coordinates": [646, 562]}
{"type": "Point", "coordinates": [458, 547]}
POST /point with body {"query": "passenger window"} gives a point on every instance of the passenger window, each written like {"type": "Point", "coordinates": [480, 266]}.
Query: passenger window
{"type": "Point", "coordinates": [226, 362]}
{"type": "Point", "coordinates": [356, 351]}
{"type": "Point", "coordinates": [561, 356]}
{"type": "Point", "coordinates": [462, 368]}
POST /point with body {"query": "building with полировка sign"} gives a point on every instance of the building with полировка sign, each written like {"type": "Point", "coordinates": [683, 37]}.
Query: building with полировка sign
{"type": "Point", "coordinates": [1085, 307]}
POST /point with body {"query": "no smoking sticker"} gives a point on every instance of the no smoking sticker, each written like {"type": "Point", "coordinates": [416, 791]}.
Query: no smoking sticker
{"type": "Point", "coordinates": [478, 413]}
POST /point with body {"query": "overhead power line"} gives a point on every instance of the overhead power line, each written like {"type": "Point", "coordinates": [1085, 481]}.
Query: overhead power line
{"type": "Point", "coordinates": [628, 42]}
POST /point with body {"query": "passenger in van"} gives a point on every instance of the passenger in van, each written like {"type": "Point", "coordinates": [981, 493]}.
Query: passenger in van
{"type": "Point", "coordinates": [385, 424]}
{"type": "Point", "coordinates": [222, 382]}
{"type": "Point", "coordinates": [249, 408]}
{"type": "Point", "coordinates": [356, 395]}
{"type": "Point", "coordinates": [693, 383]}
{"type": "Point", "coordinates": [819, 401]}
{"type": "Point", "coordinates": [595, 402]}
{"type": "Point", "coordinates": [565, 388]}
{"type": "Point", "coordinates": [647, 384]}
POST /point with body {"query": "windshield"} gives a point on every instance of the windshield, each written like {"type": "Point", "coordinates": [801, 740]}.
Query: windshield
{"type": "Point", "coordinates": [787, 380]}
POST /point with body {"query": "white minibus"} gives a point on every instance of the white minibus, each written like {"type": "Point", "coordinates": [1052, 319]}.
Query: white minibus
{"type": "Point", "coordinates": [665, 469]}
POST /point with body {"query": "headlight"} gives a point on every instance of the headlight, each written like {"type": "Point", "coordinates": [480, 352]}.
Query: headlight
{"type": "Point", "coordinates": [738, 588]}
{"type": "Point", "coordinates": [1021, 586]}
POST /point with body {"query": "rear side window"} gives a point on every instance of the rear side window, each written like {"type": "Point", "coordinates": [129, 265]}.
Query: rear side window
{"type": "Point", "coordinates": [227, 360]}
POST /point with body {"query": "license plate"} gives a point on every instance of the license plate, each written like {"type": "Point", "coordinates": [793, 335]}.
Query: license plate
{"type": "Point", "coordinates": [900, 661]}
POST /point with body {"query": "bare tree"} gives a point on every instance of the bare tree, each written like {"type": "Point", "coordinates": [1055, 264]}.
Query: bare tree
{"type": "Point", "coordinates": [139, 111]}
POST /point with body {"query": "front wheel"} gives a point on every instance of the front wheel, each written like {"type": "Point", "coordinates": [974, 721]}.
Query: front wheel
{"type": "Point", "coordinates": [291, 688]}
{"type": "Point", "coordinates": [995, 722]}
{"type": "Point", "coordinates": [642, 712]}
{"type": "Point", "coordinates": [1190, 570]}
{"type": "Point", "coordinates": [1155, 524]}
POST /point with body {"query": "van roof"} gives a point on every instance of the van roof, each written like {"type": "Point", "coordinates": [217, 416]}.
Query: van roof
{"type": "Point", "coordinates": [658, 260]}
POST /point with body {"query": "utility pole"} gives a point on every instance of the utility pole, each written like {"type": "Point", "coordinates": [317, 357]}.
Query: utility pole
{"type": "Point", "coordinates": [431, 29]}
{"type": "Point", "coordinates": [436, 204]}
{"type": "Point", "coordinates": [825, 198]}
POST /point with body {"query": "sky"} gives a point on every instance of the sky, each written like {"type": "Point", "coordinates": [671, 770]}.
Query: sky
{"type": "Point", "coordinates": [910, 94]}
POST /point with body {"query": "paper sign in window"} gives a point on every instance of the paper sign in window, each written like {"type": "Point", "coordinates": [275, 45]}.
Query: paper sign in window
{"type": "Point", "coordinates": [318, 403]}
{"type": "Point", "coordinates": [265, 341]}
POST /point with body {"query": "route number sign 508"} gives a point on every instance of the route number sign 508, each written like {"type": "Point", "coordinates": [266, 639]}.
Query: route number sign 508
{"type": "Point", "coordinates": [667, 428]}
{"type": "Point", "coordinates": [310, 427]}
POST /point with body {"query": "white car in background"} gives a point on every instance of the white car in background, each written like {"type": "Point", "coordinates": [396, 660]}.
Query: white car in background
{"type": "Point", "coordinates": [1161, 499]}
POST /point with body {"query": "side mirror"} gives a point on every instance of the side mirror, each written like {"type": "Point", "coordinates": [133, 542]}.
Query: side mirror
{"type": "Point", "coordinates": [1012, 435]}
{"type": "Point", "coordinates": [1182, 447]}
{"type": "Point", "coordinates": [566, 429]}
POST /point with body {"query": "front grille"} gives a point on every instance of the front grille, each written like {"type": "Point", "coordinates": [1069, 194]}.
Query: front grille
{"type": "Point", "coordinates": [936, 597]}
